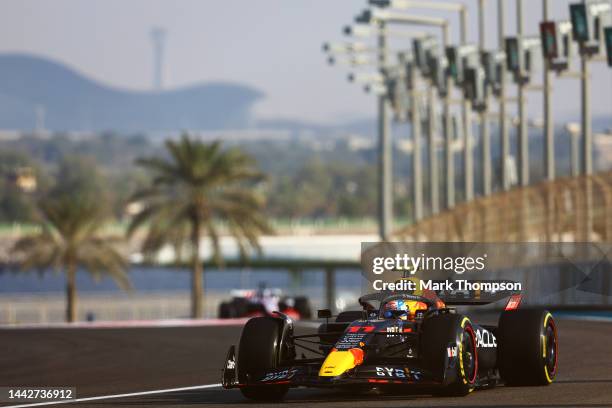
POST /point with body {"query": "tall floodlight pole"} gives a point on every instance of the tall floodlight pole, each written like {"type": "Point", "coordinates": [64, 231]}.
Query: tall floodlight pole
{"type": "Point", "coordinates": [466, 111]}
{"type": "Point", "coordinates": [587, 132]}
{"type": "Point", "coordinates": [448, 123]}
{"type": "Point", "coordinates": [415, 125]}
{"type": "Point", "coordinates": [385, 183]}
{"type": "Point", "coordinates": [588, 17]}
{"type": "Point", "coordinates": [449, 166]}
{"type": "Point", "coordinates": [380, 15]}
{"type": "Point", "coordinates": [448, 144]}
{"type": "Point", "coordinates": [503, 126]}
{"type": "Point", "coordinates": [485, 135]}
{"type": "Point", "coordinates": [399, 18]}
{"type": "Point", "coordinates": [549, 127]}
{"type": "Point", "coordinates": [434, 186]}
{"type": "Point", "coordinates": [573, 130]}
{"type": "Point", "coordinates": [468, 156]}
{"type": "Point", "coordinates": [523, 141]}
{"type": "Point", "coordinates": [350, 50]}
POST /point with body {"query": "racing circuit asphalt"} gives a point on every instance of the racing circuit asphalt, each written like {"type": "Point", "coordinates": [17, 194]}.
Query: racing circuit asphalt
{"type": "Point", "coordinates": [109, 361]}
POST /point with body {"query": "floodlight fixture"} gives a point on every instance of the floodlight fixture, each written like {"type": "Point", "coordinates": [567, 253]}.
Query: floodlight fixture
{"type": "Point", "coordinates": [522, 56]}
{"type": "Point", "coordinates": [588, 21]}
{"type": "Point", "coordinates": [557, 44]}
{"type": "Point", "coordinates": [608, 39]}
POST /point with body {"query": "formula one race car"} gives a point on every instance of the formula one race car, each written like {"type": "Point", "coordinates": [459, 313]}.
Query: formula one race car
{"type": "Point", "coordinates": [264, 302]}
{"type": "Point", "coordinates": [398, 340]}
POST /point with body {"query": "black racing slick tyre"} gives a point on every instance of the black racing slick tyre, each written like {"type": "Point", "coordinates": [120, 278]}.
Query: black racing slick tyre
{"type": "Point", "coordinates": [260, 352]}
{"type": "Point", "coordinates": [240, 307]}
{"type": "Point", "coordinates": [449, 350]}
{"type": "Point", "coordinates": [225, 311]}
{"type": "Point", "coordinates": [528, 347]}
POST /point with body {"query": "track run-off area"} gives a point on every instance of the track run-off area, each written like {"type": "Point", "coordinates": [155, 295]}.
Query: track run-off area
{"type": "Point", "coordinates": [180, 366]}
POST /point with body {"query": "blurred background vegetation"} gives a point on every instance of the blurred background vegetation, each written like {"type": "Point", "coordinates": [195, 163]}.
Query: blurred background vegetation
{"type": "Point", "coordinates": [306, 181]}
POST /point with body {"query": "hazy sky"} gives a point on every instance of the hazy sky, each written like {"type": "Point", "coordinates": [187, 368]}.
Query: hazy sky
{"type": "Point", "coordinates": [273, 45]}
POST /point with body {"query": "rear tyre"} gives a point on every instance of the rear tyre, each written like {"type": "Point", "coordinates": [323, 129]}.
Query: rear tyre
{"type": "Point", "coordinates": [528, 347]}
{"type": "Point", "coordinates": [240, 307]}
{"type": "Point", "coordinates": [260, 352]}
{"type": "Point", "coordinates": [452, 331]}
{"type": "Point", "coordinates": [225, 311]}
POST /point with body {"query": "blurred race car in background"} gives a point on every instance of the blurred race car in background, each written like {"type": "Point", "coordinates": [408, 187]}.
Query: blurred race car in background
{"type": "Point", "coordinates": [264, 302]}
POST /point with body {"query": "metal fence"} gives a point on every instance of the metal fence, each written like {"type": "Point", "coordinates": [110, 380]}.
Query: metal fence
{"type": "Point", "coordinates": [36, 308]}
{"type": "Point", "coordinates": [573, 209]}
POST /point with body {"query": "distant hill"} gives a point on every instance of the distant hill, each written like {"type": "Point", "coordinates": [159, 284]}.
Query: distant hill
{"type": "Point", "coordinates": [74, 102]}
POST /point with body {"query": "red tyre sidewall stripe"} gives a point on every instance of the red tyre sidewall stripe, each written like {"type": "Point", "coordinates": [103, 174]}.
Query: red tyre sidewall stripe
{"type": "Point", "coordinates": [554, 327]}
{"type": "Point", "coordinates": [475, 348]}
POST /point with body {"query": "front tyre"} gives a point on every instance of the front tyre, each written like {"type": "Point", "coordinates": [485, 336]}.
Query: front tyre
{"type": "Point", "coordinates": [450, 351]}
{"type": "Point", "coordinates": [260, 351]}
{"type": "Point", "coordinates": [528, 347]}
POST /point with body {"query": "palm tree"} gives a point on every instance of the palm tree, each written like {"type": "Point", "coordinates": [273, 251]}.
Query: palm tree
{"type": "Point", "coordinates": [69, 238]}
{"type": "Point", "coordinates": [196, 186]}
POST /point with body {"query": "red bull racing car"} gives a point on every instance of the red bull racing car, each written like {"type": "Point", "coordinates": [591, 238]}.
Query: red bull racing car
{"type": "Point", "coordinates": [398, 340]}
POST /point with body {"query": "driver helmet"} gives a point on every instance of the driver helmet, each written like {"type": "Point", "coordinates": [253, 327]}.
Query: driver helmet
{"type": "Point", "coordinates": [403, 309]}
{"type": "Point", "coordinates": [396, 309]}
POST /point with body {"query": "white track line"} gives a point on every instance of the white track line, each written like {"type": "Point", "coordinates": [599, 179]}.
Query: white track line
{"type": "Point", "coordinates": [127, 324]}
{"type": "Point", "coordinates": [115, 396]}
